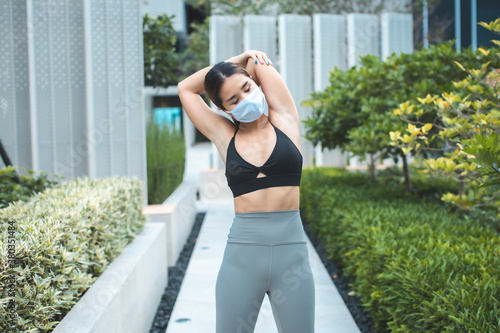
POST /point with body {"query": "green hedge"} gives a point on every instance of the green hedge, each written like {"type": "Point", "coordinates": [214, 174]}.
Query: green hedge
{"type": "Point", "coordinates": [166, 154]}
{"type": "Point", "coordinates": [63, 239]}
{"type": "Point", "coordinates": [11, 191]}
{"type": "Point", "coordinates": [415, 266]}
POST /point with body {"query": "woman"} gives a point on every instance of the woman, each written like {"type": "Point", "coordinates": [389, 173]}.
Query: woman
{"type": "Point", "coordinates": [266, 250]}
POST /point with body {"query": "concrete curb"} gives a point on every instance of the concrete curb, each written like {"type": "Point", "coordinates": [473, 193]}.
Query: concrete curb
{"type": "Point", "coordinates": [178, 213]}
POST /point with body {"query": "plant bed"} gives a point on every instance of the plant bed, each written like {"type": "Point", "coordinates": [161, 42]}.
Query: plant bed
{"type": "Point", "coordinates": [59, 242]}
{"type": "Point", "coordinates": [414, 265]}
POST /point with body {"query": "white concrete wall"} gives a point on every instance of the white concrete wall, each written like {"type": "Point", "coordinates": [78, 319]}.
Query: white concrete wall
{"type": "Point", "coordinates": [225, 37]}
{"type": "Point", "coordinates": [295, 67]}
{"type": "Point", "coordinates": [71, 92]}
{"type": "Point", "coordinates": [115, 64]}
{"type": "Point", "coordinates": [397, 33]}
{"type": "Point", "coordinates": [362, 37]}
{"type": "Point", "coordinates": [330, 51]}
{"type": "Point", "coordinates": [225, 41]}
{"type": "Point", "coordinates": [259, 33]}
{"type": "Point", "coordinates": [15, 92]}
{"type": "Point", "coordinates": [169, 7]}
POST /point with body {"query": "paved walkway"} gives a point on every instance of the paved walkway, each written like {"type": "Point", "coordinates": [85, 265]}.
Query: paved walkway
{"type": "Point", "coordinates": [194, 310]}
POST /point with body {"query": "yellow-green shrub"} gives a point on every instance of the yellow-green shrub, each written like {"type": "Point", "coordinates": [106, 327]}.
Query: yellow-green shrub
{"type": "Point", "coordinates": [458, 131]}
{"type": "Point", "coordinates": [64, 239]}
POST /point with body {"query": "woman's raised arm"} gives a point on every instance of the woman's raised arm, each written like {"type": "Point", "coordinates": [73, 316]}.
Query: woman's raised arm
{"type": "Point", "coordinates": [213, 125]}
{"type": "Point", "coordinates": [278, 96]}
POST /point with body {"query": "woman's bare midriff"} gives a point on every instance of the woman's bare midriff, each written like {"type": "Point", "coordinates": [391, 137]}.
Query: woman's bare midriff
{"type": "Point", "coordinates": [268, 199]}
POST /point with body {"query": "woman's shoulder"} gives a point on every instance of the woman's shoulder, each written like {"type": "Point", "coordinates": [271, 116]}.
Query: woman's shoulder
{"type": "Point", "coordinates": [227, 132]}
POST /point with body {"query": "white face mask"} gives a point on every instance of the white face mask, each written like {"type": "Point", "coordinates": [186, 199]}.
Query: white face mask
{"type": "Point", "coordinates": [251, 107]}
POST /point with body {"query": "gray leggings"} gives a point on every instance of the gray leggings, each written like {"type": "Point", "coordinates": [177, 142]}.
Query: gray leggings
{"type": "Point", "coordinates": [266, 252]}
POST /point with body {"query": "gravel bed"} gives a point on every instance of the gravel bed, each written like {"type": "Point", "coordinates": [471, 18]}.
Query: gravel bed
{"type": "Point", "coordinates": [176, 275]}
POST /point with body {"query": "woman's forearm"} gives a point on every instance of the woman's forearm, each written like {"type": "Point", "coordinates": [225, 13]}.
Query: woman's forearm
{"type": "Point", "coordinates": [195, 83]}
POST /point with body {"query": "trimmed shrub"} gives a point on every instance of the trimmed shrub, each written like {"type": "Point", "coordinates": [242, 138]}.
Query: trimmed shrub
{"type": "Point", "coordinates": [58, 243]}
{"type": "Point", "coordinates": [415, 266]}
{"type": "Point", "coordinates": [11, 191]}
{"type": "Point", "coordinates": [166, 153]}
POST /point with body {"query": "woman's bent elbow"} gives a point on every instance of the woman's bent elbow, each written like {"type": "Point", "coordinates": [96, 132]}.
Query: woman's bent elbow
{"type": "Point", "coordinates": [181, 86]}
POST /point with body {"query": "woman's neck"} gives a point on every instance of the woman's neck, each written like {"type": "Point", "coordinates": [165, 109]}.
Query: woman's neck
{"type": "Point", "coordinates": [256, 125]}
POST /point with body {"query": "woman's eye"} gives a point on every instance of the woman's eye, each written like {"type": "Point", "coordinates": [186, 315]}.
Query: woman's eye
{"type": "Point", "coordinates": [247, 89]}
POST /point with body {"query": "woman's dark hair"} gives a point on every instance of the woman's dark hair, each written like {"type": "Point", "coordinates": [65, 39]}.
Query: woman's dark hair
{"type": "Point", "coordinates": [216, 76]}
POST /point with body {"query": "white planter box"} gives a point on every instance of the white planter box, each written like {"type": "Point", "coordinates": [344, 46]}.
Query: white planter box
{"type": "Point", "coordinates": [126, 296]}
{"type": "Point", "coordinates": [178, 213]}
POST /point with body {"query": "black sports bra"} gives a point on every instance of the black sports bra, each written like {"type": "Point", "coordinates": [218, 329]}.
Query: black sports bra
{"type": "Point", "coordinates": [282, 168]}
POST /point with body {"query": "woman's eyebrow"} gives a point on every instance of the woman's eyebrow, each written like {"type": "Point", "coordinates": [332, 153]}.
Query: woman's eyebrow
{"type": "Point", "coordinates": [234, 96]}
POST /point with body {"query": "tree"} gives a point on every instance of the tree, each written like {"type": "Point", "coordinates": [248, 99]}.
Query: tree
{"type": "Point", "coordinates": [196, 54]}
{"type": "Point", "coordinates": [161, 62]}
{"type": "Point", "coordinates": [355, 112]}
{"type": "Point", "coordinates": [242, 7]}
{"type": "Point", "coordinates": [466, 121]}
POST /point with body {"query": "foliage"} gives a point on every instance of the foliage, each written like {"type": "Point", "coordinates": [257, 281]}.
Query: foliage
{"type": "Point", "coordinates": [355, 111]}
{"type": "Point", "coordinates": [161, 61]}
{"type": "Point", "coordinates": [231, 7]}
{"type": "Point", "coordinates": [11, 191]}
{"type": "Point", "coordinates": [338, 7]}
{"type": "Point", "coordinates": [484, 151]}
{"type": "Point", "coordinates": [427, 187]}
{"type": "Point", "coordinates": [166, 151]}
{"type": "Point", "coordinates": [458, 131]}
{"type": "Point", "coordinates": [196, 54]}
{"type": "Point", "coordinates": [64, 238]}
{"type": "Point", "coordinates": [415, 266]}
{"type": "Point", "coordinates": [242, 7]}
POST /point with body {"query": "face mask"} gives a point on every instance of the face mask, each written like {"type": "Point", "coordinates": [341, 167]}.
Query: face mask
{"type": "Point", "coordinates": [251, 107]}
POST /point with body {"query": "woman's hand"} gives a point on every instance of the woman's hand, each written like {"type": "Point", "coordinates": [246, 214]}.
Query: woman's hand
{"type": "Point", "coordinates": [258, 56]}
